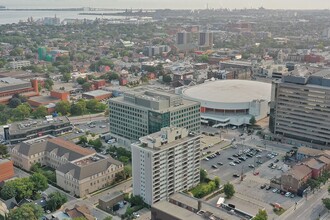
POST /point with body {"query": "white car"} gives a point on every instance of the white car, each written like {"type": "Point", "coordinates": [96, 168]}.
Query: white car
{"type": "Point", "coordinates": [232, 164]}
{"type": "Point", "coordinates": [288, 194]}
{"type": "Point", "coordinates": [258, 156]}
{"type": "Point", "coordinates": [206, 159]}
{"type": "Point", "coordinates": [136, 215]}
{"type": "Point", "coordinates": [275, 190]}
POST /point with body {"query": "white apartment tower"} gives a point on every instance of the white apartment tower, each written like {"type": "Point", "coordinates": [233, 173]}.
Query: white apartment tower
{"type": "Point", "coordinates": [165, 162]}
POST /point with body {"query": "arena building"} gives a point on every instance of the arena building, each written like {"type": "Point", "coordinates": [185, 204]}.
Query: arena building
{"type": "Point", "coordinates": [230, 102]}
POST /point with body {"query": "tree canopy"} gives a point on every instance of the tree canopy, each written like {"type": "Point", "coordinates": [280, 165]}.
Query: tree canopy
{"type": "Point", "coordinates": [229, 190]}
{"type": "Point", "coordinates": [261, 215]}
{"type": "Point", "coordinates": [28, 211]}
{"type": "Point", "coordinates": [56, 200]}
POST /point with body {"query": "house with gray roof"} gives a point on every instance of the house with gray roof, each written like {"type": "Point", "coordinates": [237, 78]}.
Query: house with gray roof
{"type": "Point", "coordinates": [78, 170]}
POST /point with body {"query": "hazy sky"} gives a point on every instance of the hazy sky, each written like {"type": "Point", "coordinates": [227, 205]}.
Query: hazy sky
{"type": "Point", "coordinates": [193, 4]}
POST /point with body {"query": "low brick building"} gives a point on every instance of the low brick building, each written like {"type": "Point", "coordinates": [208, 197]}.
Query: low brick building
{"type": "Point", "coordinates": [6, 169]}
{"type": "Point", "coordinates": [295, 178]}
{"type": "Point", "coordinates": [97, 94]}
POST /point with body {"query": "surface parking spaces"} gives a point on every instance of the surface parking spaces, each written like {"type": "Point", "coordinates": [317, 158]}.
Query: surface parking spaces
{"type": "Point", "coordinates": [227, 164]}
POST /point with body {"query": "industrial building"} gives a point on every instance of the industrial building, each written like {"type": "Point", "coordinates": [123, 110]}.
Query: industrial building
{"type": "Point", "coordinates": [97, 94]}
{"type": "Point", "coordinates": [165, 162]}
{"type": "Point", "coordinates": [230, 102]}
{"type": "Point", "coordinates": [300, 108]}
{"type": "Point", "coordinates": [20, 131]}
{"type": "Point", "coordinates": [49, 101]}
{"type": "Point", "coordinates": [11, 86]}
{"type": "Point", "coordinates": [142, 112]}
{"type": "Point", "coordinates": [78, 170]}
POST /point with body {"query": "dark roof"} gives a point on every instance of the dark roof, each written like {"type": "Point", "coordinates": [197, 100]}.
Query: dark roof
{"type": "Point", "coordinates": [10, 203]}
{"type": "Point", "coordinates": [82, 172]}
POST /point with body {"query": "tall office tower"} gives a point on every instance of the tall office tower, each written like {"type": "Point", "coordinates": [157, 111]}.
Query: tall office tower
{"type": "Point", "coordinates": [205, 40]}
{"type": "Point", "coordinates": [165, 162]}
{"type": "Point", "coordinates": [139, 113]}
{"type": "Point", "coordinates": [184, 41]}
{"type": "Point", "coordinates": [300, 108]}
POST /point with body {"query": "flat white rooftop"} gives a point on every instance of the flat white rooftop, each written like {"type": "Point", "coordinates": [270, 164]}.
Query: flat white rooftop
{"type": "Point", "coordinates": [229, 91]}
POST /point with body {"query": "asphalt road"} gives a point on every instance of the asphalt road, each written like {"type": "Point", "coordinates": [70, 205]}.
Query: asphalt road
{"type": "Point", "coordinates": [310, 208]}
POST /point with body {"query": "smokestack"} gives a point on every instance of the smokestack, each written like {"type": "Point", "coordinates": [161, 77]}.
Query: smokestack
{"type": "Point", "coordinates": [35, 85]}
{"type": "Point", "coordinates": [199, 205]}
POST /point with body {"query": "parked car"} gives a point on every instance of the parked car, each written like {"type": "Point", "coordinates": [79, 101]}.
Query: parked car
{"type": "Point", "coordinates": [214, 166]}
{"type": "Point", "coordinates": [235, 155]}
{"type": "Point", "coordinates": [236, 175]}
{"type": "Point", "coordinates": [270, 165]}
{"type": "Point", "coordinates": [219, 163]}
{"type": "Point", "coordinates": [206, 159]}
{"type": "Point", "coordinates": [268, 187]}
{"type": "Point", "coordinates": [232, 164]}
{"type": "Point", "coordinates": [258, 156]}
{"type": "Point", "coordinates": [230, 158]}
{"type": "Point", "coordinates": [276, 161]}
{"type": "Point", "coordinates": [275, 190]}
{"type": "Point", "coordinates": [263, 186]}
{"type": "Point", "coordinates": [251, 165]}
{"type": "Point", "coordinates": [288, 194]}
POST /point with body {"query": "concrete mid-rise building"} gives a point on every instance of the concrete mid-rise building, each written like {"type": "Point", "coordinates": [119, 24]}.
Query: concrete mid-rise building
{"type": "Point", "coordinates": [165, 162]}
{"type": "Point", "coordinates": [300, 108]}
{"type": "Point", "coordinates": [205, 40]}
{"type": "Point", "coordinates": [19, 64]}
{"type": "Point", "coordinates": [139, 113]}
{"type": "Point", "coordinates": [151, 51]}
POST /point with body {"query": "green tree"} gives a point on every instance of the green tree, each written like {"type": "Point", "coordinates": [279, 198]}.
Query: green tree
{"type": "Point", "coordinates": [261, 215]}
{"type": "Point", "coordinates": [21, 112]}
{"type": "Point", "coordinates": [217, 182]}
{"type": "Point", "coordinates": [8, 191]}
{"type": "Point", "coordinates": [40, 112]}
{"type": "Point", "coordinates": [14, 102]}
{"type": "Point", "coordinates": [203, 176]}
{"type": "Point", "coordinates": [86, 86]}
{"type": "Point", "coordinates": [328, 189]}
{"type": "Point", "coordinates": [56, 200]}
{"type": "Point", "coordinates": [83, 140]}
{"type": "Point", "coordinates": [167, 79]}
{"type": "Point", "coordinates": [91, 104]}
{"type": "Point", "coordinates": [229, 190]}
{"type": "Point", "coordinates": [252, 121]}
{"type": "Point", "coordinates": [80, 80]}
{"type": "Point", "coordinates": [3, 150]}
{"type": "Point", "coordinates": [78, 108]}
{"type": "Point", "coordinates": [128, 171]}
{"type": "Point", "coordinates": [49, 84]}
{"type": "Point", "coordinates": [66, 77]}
{"type": "Point", "coordinates": [28, 211]}
{"type": "Point", "coordinates": [113, 76]}
{"type": "Point", "coordinates": [204, 58]}
{"type": "Point", "coordinates": [39, 181]}
{"type": "Point", "coordinates": [63, 107]}
{"type": "Point", "coordinates": [123, 159]}
{"type": "Point", "coordinates": [326, 203]}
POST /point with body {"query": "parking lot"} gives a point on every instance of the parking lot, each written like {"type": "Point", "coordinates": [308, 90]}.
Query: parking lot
{"type": "Point", "coordinates": [226, 171]}
{"type": "Point", "coordinates": [249, 196]}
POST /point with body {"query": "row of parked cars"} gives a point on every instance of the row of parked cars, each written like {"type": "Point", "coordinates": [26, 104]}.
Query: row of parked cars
{"type": "Point", "coordinates": [212, 156]}
{"type": "Point", "coordinates": [275, 190]}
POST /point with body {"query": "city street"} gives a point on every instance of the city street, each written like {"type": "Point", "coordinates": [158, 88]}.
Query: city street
{"type": "Point", "coordinates": [309, 209]}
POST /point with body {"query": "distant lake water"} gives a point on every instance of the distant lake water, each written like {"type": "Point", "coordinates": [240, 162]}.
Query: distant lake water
{"type": "Point", "coordinates": [9, 17]}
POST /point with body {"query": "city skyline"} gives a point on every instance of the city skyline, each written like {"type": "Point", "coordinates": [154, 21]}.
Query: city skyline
{"type": "Point", "coordinates": [194, 4]}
